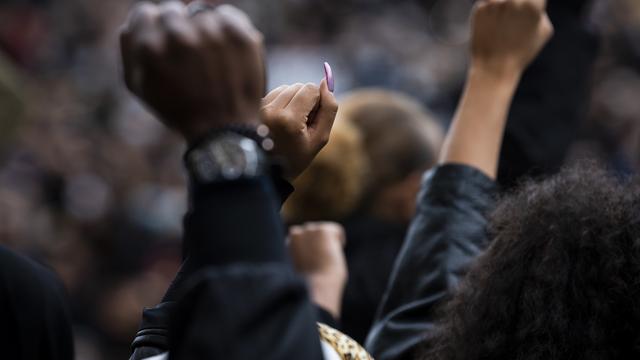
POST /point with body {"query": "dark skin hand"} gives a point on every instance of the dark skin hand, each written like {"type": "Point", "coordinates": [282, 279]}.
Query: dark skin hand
{"type": "Point", "coordinates": [197, 70]}
{"type": "Point", "coordinates": [300, 118]}
{"type": "Point", "coordinates": [200, 67]}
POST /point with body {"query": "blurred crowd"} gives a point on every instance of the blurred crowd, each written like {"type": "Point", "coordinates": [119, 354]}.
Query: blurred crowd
{"type": "Point", "coordinates": [87, 176]}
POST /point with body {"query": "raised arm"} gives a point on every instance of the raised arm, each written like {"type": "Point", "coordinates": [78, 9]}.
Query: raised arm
{"type": "Point", "coordinates": [507, 35]}
{"type": "Point", "coordinates": [448, 231]}
{"type": "Point", "coordinates": [200, 69]}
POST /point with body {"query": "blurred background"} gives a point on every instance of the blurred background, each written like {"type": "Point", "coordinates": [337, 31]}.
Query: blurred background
{"type": "Point", "coordinates": [91, 184]}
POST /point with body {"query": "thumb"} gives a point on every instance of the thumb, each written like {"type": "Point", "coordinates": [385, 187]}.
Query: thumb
{"type": "Point", "coordinates": [325, 116]}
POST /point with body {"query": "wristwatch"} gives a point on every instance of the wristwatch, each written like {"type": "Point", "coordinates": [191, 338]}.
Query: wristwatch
{"type": "Point", "coordinates": [227, 156]}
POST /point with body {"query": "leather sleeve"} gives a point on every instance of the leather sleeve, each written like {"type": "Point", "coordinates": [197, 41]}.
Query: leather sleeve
{"type": "Point", "coordinates": [446, 235]}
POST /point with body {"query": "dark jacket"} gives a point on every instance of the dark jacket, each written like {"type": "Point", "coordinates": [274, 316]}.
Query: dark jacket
{"type": "Point", "coordinates": [446, 235]}
{"type": "Point", "coordinates": [371, 250]}
{"type": "Point", "coordinates": [247, 306]}
{"type": "Point", "coordinates": [34, 316]}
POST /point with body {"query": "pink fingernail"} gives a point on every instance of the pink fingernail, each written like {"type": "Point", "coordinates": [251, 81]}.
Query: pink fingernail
{"type": "Point", "coordinates": [328, 74]}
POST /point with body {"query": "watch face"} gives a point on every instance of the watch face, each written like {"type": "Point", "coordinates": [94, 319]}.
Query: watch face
{"type": "Point", "coordinates": [231, 156]}
{"type": "Point", "coordinates": [227, 157]}
{"type": "Point", "coordinates": [203, 166]}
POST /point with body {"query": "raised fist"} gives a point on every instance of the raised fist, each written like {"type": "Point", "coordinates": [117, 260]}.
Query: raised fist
{"type": "Point", "coordinates": [198, 67]}
{"type": "Point", "coordinates": [508, 34]}
{"type": "Point", "coordinates": [317, 253]}
{"type": "Point", "coordinates": [300, 117]}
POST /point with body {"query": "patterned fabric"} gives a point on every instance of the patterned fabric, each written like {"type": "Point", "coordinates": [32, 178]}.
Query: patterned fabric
{"type": "Point", "coordinates": [346, 347]}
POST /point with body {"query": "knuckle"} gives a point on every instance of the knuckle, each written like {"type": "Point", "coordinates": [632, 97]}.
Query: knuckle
{"type": "Point", "coordinates": [267, 113]}
{"type": "Point", "coordinates": [313, 227]}
{"type": "Point", "coordinates": [311, 86]}
{"type": "Point", "coordinates": [323, 140]}
{"type": "Point", "coordinates": [209, 30]}
{"type": "Point", "coordinates": [234, 35]}
{"type": "Point", "coordinates": [174, 5]}
{"type": "Point", "coordinates": [530, 10]}
{"type": "Point", "coordinates": [144, 8]}
{"type": "Point", "coordinates": [143, 12]}
{"type": "Point", "coordinates": [312, 89]}
{"type": "Point", "coordinates": [278, 119]}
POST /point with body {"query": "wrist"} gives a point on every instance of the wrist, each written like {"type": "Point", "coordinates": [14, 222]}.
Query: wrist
{"type": "Point", "coordinates": [504, 77]}
{"type": "Point", "coordinates": [500, 83]}
{"type": "Point", "coordinates": [326, 291]}
{"type": "Point", "coordinates": [229, 153]}
{"type": "Point", "coordinates": [259, 133]}
{"type": "Point", "coordinates": [195, 128]}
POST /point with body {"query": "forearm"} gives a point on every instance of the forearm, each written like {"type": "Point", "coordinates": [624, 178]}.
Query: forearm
{"type": "Point", "coordinates": [245, 312]}
{"type": "Point", "coordinates": [475, 136]}
{"type": "Point", "coordinates": [326, 292]}
{"type": "Point", "coordinates": [228, 223]}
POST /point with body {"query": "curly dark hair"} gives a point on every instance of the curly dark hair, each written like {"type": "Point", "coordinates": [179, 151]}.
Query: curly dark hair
{"type": "Point", "coordinates": [560, 280]}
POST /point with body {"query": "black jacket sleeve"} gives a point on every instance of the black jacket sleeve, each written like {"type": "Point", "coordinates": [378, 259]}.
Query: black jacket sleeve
{"type": "Point", "coordinates": [236, 286]}
{"type": "Point", "coordinates": [245, 312]}
{"type": "Point", "coordinates": [446, 235]}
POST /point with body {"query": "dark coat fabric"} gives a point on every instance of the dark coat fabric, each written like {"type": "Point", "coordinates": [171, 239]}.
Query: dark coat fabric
{"type": "Point", "coordinates": [371, 250]}
{"type": "Point", "coordinates": [34, 317]}
{"type": "Point", "coordinates": [446, 235]}
{"type": "Point", "coordinates": [246, 305]}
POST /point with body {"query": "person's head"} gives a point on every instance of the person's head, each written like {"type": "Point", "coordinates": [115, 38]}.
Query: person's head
{"type": "Point", "coordinates": [331, 187]}
{"type": "Point", "coordinates": [381, 144]}
{"type": "Point", "coordinates": [560, 279]}
{"type": "Point", "coordinates": [401, 139]}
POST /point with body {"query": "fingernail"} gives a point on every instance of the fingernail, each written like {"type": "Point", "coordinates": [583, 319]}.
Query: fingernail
{"type": "Point", "coordinates": [328, 74]}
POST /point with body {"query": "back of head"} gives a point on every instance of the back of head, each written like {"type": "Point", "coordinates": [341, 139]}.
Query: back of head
{"type": "Point", "coordinates": [379, 138]}
{"type": "Point", "coordinates": [330, 188]}
{"type": "Point", "coordinates": [560, 279]}
{"type": "Point", "coordinates": [400, 136]}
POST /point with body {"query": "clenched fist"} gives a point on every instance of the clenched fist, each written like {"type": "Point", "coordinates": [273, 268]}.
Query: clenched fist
{"type": "Point", "coordinates": [317, 253]}
{"type": "Point", "coordinates": [300, 117]}
{"type": "Point", "coordinates": [508, 34]}
{"type": "Point", "coordinates": [198, 67]}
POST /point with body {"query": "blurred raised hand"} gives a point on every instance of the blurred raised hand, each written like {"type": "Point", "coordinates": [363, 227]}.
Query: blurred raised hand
{"type": "Point", "coordinates": [198, 67]}
{"type": "Point", "coordinates": [317, 253]}
{"type": "Point", "coordinates": [508, 34]}
{"type": "Point", "coordinates": [300, 117]}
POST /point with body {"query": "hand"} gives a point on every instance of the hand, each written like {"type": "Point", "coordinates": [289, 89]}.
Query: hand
{"type": "Point", "coordinates": [508, 34]}
{"type": "Point", "coordinates": [317, 253]}
{"type": "Point", "coordinates": [300, 118]}
{"type": "Point", "coordinates": [197, 70]}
